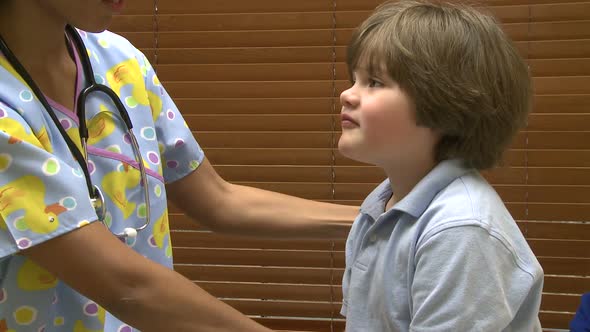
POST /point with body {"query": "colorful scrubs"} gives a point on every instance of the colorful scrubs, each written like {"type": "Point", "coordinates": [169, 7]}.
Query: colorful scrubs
{"type": "Point", "coordinates": [43, 193]}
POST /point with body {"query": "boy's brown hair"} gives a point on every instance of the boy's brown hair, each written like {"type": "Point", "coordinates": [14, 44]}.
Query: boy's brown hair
{"type": "Point", "coordinates": [467, 80]}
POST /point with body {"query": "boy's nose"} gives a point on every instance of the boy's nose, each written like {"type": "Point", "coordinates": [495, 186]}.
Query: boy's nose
{"type": "Point", "coordinates": [348, 98]}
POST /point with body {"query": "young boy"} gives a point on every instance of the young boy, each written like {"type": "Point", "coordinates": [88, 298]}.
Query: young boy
{"type": "Point", "coordinates": [438, 93]}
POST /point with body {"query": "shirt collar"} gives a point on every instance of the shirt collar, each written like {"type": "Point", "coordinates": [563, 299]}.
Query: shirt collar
{"type": "Point", "coordinates": [374, 204]}
{"type": "Point", "coordinates": [416, 202]}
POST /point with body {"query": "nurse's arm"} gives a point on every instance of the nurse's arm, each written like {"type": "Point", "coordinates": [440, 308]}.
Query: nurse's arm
{"type": "Point", "coordinates": [230, 208]}
{"type": "Point", "coordinates": [141, 293]}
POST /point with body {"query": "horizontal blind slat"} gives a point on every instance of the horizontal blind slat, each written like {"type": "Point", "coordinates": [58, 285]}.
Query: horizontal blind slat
{"type": "Point", "coordinates": [323, 105]}
{"type": "Point", "coordinates": [560, 248]}
{"type": "Point", "coordinates": [317, 258]}
{"type": "Point", "coordinates": [557, 320]}
{"type": "Point", "coordinates": [553, 140]}
{"type": "Point", "coordinates": [560, 302]}
{"type": "Point", "coordinates": [542, 197]}
{"type": "Point", "coordinates": [259, 257]}
{"type": "Point", "coordinates": [565, 266]}
{"type": "Point", "coordinates": [555, 230]}
{"type": "Point", "coordinates": [325, 293]}
{"type": "Point", "coordinates": [544, 194]}
{"type": "Point", "coordinates": [549, 212]}
{"type": "Point", "coordinates": [572, 85]}
{"type": "Point", "coordinates": [372, 174]}
{"type": "Point", "coordinates": [324, 122]}
{"type": "Point", "coordinates": [308, 324]}
{"type": "Point", "coordinates": [253, 89]}
{"type": "Point", "coordinates": [531, 229]}
{"type": "Point", "coordinates": [197, 54]}
{"type": "Point", "coordinates": [551, 265]}
{"type": "Point", "coordinates": [318, 139]}
{"type": "Point", "coordinates": [562, 284]}
{"type": "Point", "coordinates": [325, 70]}
{"type": "Point", "coordinates": [541, 247]}
{"type": "Point", "coordinates": [285, 309]}
{"type": "Point", "coordinates": [267, 291]}
{"type": "Point", "coordinates": [256, 6]}
{"type": "Point", "coordinates": [201, 239]}
{"type": "Point", "coordinates": [323, 156]}
{"type": "Point", "coordinates": [323, 37]}
{"type": "Point", "coordinates": [563, 212]}
{"type": "Point", "coordinates": [267, 274]}
{"type": "Point", "coordinates": [191, 21]}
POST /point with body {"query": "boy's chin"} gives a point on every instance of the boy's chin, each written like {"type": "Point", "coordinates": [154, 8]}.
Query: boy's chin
{"type": "Point", "coordinates": [348, 151]}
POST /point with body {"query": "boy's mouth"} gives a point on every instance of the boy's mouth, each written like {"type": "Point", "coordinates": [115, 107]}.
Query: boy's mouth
{"type": "Point", "coordinates": [347, 121]}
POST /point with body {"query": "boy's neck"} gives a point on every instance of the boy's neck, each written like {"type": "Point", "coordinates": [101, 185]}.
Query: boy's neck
{"type": "Point", "coordinates": [404, 177]}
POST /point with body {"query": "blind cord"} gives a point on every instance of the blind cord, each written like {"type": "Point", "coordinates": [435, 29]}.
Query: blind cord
{"type": "Point", "coordinates": [333, 160]}
{"type": "Point", "coordinates": [526, 131]}
{"type": "Point", "coordinates": [156, 33]}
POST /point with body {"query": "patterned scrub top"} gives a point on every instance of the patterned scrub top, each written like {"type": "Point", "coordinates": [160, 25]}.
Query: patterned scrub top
{"type": "Point", "coordinates": [43, 193]}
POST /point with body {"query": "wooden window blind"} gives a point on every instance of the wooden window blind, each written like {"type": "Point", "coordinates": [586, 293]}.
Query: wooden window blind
{"type": "Point", "coordinates": [258, 81]}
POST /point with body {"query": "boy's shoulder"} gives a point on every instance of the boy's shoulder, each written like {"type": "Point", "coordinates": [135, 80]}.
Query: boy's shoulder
{"type": "Point", "coordinates": [448, 194]}
{"type": "Point", "coordinates": [453, 194]}
{"type": "Point", "coordinates": [468, 197]}
{"type": "Point", "coordinates": [452, 189]}
{"type": "Point", "coordinates": [470, 204]}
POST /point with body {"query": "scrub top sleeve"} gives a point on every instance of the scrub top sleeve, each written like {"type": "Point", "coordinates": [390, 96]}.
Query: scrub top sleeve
{"type": "Point", "coordinates": [41, 196]}
{"type": "Point", "coordinates": [180, 152]}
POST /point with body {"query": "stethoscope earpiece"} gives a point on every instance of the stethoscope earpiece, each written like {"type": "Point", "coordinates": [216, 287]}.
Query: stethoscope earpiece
{"type": "Point", "coordinates": [130, 232]}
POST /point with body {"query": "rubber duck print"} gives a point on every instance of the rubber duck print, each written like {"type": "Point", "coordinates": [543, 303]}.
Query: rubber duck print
{"type": "Point", "coordinates": [32, 277]}
{"type": "Point", "coordinates": [161, 230]}
{"type": "Point", "coordinates": [101, 125]}
{"type": "Point", "coordinates": [17, 133]}
{"type": "Point", "coordinates": [27, 194]}
{"type": "Point", "coordinates": [128, 72]}
{"type": "Point", "coordinates": [115, 185]}
{"type": "Point", "coordinates": [4, 326]}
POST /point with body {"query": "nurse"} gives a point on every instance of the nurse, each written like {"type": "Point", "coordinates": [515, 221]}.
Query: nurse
{"type": "Point", "coordinates": [70, 263]}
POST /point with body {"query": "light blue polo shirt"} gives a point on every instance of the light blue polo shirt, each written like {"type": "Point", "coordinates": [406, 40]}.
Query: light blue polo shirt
{"type": "Point", "coordinates": [447, 257]}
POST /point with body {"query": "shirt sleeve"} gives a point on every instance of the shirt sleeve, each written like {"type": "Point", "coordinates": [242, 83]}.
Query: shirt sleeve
{"type": "Point", "coordinates": [180, 152]}
{"type": "Point", "coordinates": [41, 195]}
{"type": "Point", "coordinates": [466, 279]}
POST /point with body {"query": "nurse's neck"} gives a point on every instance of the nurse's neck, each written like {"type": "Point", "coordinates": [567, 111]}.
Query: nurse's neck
{"type": "Point", "coordinates": [34, 34]}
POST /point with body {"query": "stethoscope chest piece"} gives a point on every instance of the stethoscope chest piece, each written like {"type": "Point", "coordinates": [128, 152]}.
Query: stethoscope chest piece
{"type": "Point", "coordinates": [101, 211]}
{"type": "Point", "coordinates": [98, 204]}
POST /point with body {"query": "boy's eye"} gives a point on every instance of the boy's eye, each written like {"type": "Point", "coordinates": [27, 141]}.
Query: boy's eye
{"type": "Point", "coordinates": [374, 83]}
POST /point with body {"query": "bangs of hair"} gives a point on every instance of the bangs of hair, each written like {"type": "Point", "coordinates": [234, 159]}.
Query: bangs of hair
{"type": "Point", "coordinates": [374, 49]}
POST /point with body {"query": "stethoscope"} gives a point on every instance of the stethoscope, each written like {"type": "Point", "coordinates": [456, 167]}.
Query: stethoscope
{"type": "Point", "coordinates": [96, 196]}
